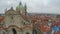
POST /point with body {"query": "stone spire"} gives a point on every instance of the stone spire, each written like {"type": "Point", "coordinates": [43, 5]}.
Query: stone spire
{"type": "Point", "coordinates": [11, 8]}
{"type": "Point", "coordinates": [25, 9]}
{"type": "Point", "coordinates": [20, 3]}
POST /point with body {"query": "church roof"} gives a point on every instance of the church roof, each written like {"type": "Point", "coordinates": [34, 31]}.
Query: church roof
{"type": "Point", "coordinates": [20, 6]}
{"type": "Point", "coordinates": [10, 11]}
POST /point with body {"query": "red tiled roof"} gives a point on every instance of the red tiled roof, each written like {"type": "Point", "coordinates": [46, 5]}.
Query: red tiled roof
{"type": "Point", "coordinates": [1, 18]}
{"type": "Point", "coordinates": [45, 28]}
{"type": "Point", "coordinates": [57, 32]}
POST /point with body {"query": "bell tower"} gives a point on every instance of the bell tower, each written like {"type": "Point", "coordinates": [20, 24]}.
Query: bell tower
{"type": "Point", "coordinates": [21, 9]}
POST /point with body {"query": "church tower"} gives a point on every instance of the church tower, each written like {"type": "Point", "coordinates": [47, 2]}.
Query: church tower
{"type": "Point", "coordinates": [25, 10]}
{"type": "Point", "coordinates": [21, 9]}
{"type": "Point", "coordinates": [16, 21]}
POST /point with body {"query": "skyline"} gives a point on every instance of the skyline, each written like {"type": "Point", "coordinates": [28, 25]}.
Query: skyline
{"type": "Point", "coordinates": [33, 6]}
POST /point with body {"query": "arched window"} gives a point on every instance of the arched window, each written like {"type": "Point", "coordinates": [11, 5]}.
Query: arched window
{"type": "Point", "coordinates": [27, 33]}
{"type": "Point", "coordinates": [4, 33]}
{"type": "Point", "coordinates": [12, 17]}
{"type": "Point", "coordinates": [14, 31]}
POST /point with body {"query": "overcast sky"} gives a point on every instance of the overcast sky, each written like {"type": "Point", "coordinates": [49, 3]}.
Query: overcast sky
{"type": "Point", "coordinates": [33, 6]}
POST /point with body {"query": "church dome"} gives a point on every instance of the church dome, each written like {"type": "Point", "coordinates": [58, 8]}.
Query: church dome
{"type": "Point", "coordinates": [11, 11]}
{"type": "Point", "coordinates": [20, 6]}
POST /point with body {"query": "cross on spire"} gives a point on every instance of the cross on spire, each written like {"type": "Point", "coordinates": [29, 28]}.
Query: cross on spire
{"type": "Point", "coordinates": [11, 8]}
{"type": "Point", "coordinates": [20, 3]}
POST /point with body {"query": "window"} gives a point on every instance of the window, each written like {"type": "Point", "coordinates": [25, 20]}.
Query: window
{"type": "Point", "coordinates": [34, 32]}
{"type": "Point", "coordinates": [4, 33]}
{"type": "Point", "coordinates": [27, 33]}
{"type": "Point", "coordinates": [12, 17]}
{"type": "Point", "coordinates": [14, 31]}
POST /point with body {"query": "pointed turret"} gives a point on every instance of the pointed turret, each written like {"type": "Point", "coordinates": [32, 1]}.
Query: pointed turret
{"type": "Point", "coordinates": [20, 3]}
{"type": "Point", "coordinates": [11, 8]}
{"type": "Point", "coordinates": [25, 9]}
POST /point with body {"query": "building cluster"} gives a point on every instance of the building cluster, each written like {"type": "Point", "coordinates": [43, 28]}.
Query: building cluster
{"type": "Point", "coordinates": [47, 23]}
{"type": "Point", "coordinates": [18, 21]}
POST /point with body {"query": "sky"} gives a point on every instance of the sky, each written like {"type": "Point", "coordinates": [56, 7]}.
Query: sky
{"type": "Point", "coordinates": [33, 6]}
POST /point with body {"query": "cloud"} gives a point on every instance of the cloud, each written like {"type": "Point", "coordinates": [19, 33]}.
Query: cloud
{"type": "Point", "coordinates": [52, 6]}
{"type": "Point", "coordinates": [33, 6]}
{"type": "Point", "coordinates": [7, 4]}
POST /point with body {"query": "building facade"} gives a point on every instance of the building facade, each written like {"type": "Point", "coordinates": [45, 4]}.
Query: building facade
{"type": "Point", "coordinates": [16, 21]}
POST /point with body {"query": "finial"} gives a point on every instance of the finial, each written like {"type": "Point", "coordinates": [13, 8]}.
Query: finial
{"type": "Point", "coordinates": [11, 8]}
{"type": "Point", "coordinates": [25, 5]}
{"type": "Point", "coordinates": [20, 3]}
